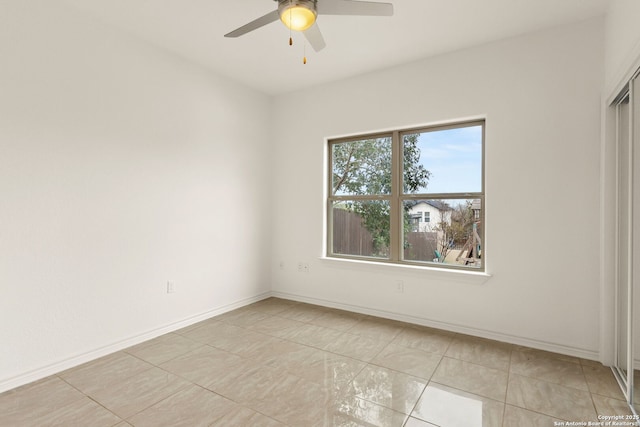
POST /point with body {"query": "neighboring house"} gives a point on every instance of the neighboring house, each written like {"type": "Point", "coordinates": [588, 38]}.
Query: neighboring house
{"type": "Point", "coordinates": [428, 215]}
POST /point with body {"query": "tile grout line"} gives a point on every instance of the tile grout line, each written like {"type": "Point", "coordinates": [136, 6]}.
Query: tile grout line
{"type": "Point", "coordinates": [506, 392]}
{"type": "Point", "coordinates": [385, 343]}
{"type": "Point", "coordinates": [593, 403]}
{"type": "Point", "coordinates": [91, 398]}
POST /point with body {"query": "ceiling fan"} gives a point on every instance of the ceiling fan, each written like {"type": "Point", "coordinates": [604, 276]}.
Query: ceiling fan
{"type": "Point", "coordinates": [300, 15]}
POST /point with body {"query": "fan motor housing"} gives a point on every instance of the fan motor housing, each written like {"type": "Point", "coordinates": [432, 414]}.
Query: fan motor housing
{"type": "Point", "coordinates": [297, 14]}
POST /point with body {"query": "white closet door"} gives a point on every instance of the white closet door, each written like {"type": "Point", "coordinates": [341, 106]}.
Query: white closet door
{"type": "Point", "coordinates": [623, 247]}
{"type": "Point", "coordinates": [635, 236]}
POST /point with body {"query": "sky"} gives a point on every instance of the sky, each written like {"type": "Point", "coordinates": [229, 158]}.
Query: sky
{"type": "Point", "coordinates": [454, 158]}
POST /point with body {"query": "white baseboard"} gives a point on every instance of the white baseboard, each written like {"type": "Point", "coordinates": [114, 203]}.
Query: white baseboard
{"type": "Point", "coordinates": [62, 365]}
{"type": "Point", "coordinates": [77, 360]}
{"type": "Point", "coordinates": [497, 336]}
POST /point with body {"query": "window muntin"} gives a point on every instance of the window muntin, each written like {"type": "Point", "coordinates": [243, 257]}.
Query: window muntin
{"type": "Point", "coordinates": [426, 185]}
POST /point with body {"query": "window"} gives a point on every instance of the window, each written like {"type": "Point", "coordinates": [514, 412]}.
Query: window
{"type": "Point", "coordinates": [382, 186]}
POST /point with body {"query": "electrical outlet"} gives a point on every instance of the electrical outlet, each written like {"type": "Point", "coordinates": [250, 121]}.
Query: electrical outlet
{"type": "Point", "coordinates": [171, 287]}
{"type": "Point", "coordinates": [399, 286]}
{"type": "Point", "coordinates": [303, 267]}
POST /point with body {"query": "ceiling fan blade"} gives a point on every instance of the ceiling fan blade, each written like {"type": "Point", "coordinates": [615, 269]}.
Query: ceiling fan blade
{"type": "Point", "coordinates": [314, 37]}
{"type": "Point", "coordinates": [352, 7]}
{"type": "Point", "coordinates": [254, 25]}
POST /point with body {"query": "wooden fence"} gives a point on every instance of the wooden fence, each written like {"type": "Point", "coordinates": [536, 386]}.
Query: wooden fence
{"type": "Point", "coordinates": [350, 237]}
{"type": "Point", "coordinates": [349, 234]}
{"type": "Point", "coordinates": [420, 246]}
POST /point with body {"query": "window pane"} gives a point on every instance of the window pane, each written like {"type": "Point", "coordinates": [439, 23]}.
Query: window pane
{"type": "Point", "coordinates": [443, 161]}
{"type": "Point", "coordinates": [452, 236]}
{"type": "Point", "coordinates": [361, 228]}
{"type": "Point", "coordinates": [361, 167]}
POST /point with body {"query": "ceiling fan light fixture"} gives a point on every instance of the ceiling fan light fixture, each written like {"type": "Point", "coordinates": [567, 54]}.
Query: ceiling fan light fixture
{"type": "Point", "coordinates": [297, 15]}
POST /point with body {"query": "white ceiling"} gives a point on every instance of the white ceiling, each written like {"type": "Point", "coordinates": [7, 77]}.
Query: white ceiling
{"type": "Point", "coordinates": [355, 45]}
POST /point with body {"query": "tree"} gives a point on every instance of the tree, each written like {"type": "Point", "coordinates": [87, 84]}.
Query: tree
{"type": "Point", "coordinates": [415, 176]}
{"type": "Point", "coordinates": [455, 230]}
{"type": "Point", "coordinates": [363, 168]}
{"type": "Point", "coordinates": [462, 222]}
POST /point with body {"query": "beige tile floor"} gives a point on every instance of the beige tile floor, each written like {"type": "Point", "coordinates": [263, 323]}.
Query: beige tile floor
{"type": "Point", "coordinates": [282, 363]}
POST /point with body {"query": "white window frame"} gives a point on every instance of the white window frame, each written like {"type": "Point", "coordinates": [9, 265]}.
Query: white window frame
{"type": "Point", "coordinates": [397, 198]}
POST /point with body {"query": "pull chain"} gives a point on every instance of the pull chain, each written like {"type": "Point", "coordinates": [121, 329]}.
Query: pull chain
{"type": "Point", "coordinates": [290, 37]}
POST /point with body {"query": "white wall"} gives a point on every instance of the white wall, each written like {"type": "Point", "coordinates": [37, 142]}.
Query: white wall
{"type": "Point", "coordinates": [622, 35]}
{"type": "Point", "coordinates": [540, 94]}
{"type": "Point", "coordinates": [121, 168]}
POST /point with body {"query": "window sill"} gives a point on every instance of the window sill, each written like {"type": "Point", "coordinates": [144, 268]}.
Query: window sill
{"type": "Point", "coordinates": [446, 274]}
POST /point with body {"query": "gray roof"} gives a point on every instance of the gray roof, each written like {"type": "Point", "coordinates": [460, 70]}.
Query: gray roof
{"type": "Point", "coordinates": [435, 203]}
